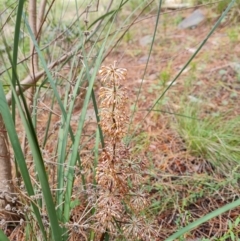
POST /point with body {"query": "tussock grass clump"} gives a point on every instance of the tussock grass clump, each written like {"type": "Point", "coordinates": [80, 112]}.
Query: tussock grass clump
{"type": "Point", "coordinates": [214, 138]}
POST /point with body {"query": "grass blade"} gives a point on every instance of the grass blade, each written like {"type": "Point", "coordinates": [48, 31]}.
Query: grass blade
{"type": "Point", "coordinates": [15, 49]}
{"type": "Point", "coordinates": [148, 58]}
{"type": "Point", "coordinates": [9, 124]}
{"type": "Point", "coordinates": [3, 237]}
{"type": "Point", "coordinates": [204, 219]}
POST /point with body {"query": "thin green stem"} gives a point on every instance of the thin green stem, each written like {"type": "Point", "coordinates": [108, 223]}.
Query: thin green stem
{"type": "Point", "coordinates": [204, 219]}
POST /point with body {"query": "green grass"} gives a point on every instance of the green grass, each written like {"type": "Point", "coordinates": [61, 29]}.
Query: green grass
{"type": "Point", "coordinates": [216, 138]}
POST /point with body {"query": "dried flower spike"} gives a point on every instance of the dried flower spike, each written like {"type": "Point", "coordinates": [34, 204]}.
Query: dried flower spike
{"type": "Point", "coordinates": [115, 168]}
